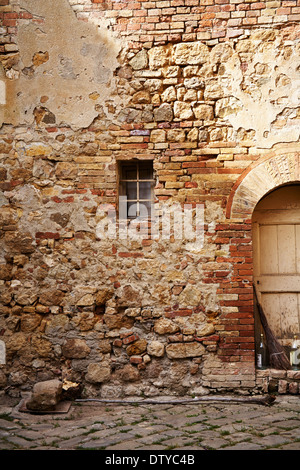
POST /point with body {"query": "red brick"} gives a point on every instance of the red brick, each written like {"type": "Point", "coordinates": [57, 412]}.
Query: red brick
{"type": "Point", "coordinates": [191, 184]}
{"type": "Point", "coordinates": [11, 15]}
{"type": "Point", "coordinates": [136, 359]}
{"type": "Point", "coordinates": [193, 164]}
{"type": "Point", "coordinates": [46, 235]}
{"type": "Point", "coordinates": [227, 8]}
{"type": "Point", "coordinates": [130, 339]}
{"type": "Point", "coordinates": [294, 18]}
{"type": "Point", "coordinates": [25, 15]}
{"type": "Point", "coordinates": [179, 313]}
{"type": "Point", "coordinates": [9, 22]}
{"type": "Point", "coordinates": [201, 171]}
{"type": "Point", "coordinates": [130, 255]}
{"type": "Point", "coordinates": [243, 6]}
{"type": "Point", "coordinates": [214, 338]}
{"type": "Point", "coordinates": [258, 6]}
{"type": "Point", "coordinates": [59, 200]}
{"type": "Point", "coordinates": [283, 11]}
{"type": "Point", "coordinates": [249, 21]}
{"type": "Point", "coordinates": [74, 191]}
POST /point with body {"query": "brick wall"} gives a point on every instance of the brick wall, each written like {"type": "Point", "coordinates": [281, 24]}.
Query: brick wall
{"type": "Point", "coordinates": [147, 315]}
{"type": "Point", "coordinates": [160, 22]}
{"type": "Point", "coordinates": [179, 20]}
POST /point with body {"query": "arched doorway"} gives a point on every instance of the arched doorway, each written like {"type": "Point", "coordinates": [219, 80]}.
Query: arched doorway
{"type": "Point", "coordinates": [266, 174]}
{"type": "Point", "coordinates": [276, 259]}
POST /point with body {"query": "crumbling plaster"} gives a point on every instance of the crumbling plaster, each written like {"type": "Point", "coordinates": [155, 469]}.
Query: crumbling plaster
{"type": "Point", "coordinates": [65, 65]}
{"type": "Point", "coordinates": [268, 91]}
{"type": "Point", "coordinates": [250, 84]}
{"type": "Point", "coordinates": [68, 67]}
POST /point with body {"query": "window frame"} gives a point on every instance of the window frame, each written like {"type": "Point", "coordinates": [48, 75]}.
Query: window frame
{"type": "Point", "coordinates": [123, 193]}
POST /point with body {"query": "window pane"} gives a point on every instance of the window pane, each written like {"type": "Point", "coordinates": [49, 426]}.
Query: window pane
{"type": "Point", "coordinates": [131, 190]}
{"type": "Point", "coordinates": [146, 173]}
{"type": "Point", "coordinates": [145, 209]}
{"type": "Point", "coordinates": [130, 172]}
{"type": "Point", "coordinates": [136, 184]}
{"type": "Point", "coordinates": [145, 190]}
{"type": "Point", "coordinates": [132, 210]}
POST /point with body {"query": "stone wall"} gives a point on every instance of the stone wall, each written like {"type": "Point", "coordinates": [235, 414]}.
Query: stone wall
{"type": "Point", "coordinates": [208, 91]}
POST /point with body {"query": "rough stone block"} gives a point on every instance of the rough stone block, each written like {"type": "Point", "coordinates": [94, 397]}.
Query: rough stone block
{"type": "Point", "coordinates": [45, 396]}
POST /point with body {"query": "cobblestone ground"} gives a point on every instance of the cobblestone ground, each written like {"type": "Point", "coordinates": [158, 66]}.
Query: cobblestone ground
{"type": "Point", "coordinates": [156, 427]}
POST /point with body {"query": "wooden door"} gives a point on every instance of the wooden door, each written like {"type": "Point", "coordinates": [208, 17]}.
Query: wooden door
{"type": "Point", "coordinates": [276, 261]}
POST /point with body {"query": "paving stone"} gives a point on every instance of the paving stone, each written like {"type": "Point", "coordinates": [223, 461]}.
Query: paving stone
{"type": "Point", "coordinates": [244, 446]}
{"type": "Point", "coordinates": [289, 424]}
{"type": "Point", "coordinates": [99, 428]}
{"type": "Point", "coordinates": [214, 443]}
{"type": "Point", "coordinates": [20, 443]}
{"type": "Point", "coordinates": [239, 437]}
{"type": "Point", "coordinates": [180, 442]}
{"type": "Point", "coordinates": [291, 446]}
{"type": "Point", "coordinates": [72, 443]}
{"type": "Point", "coordinates": [272, 441]}
{"type": "Point", "coordinates": [97, 443]}
{"type": "Point", "coordinates": [127, 445]}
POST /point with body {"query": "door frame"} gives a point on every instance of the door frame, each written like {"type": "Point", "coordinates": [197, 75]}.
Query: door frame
{"type": "Point", "coordinates": [267, 173]}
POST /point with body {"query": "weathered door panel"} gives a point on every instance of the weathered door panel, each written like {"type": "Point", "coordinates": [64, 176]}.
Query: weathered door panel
{"type": "Point", "coordinates": [282, 313]}
{"type": "Point", "coordinates": [276, 260]}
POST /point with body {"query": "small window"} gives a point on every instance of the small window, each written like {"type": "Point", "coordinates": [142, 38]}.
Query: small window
{"type": "Point", "coordinates": [136, 189]}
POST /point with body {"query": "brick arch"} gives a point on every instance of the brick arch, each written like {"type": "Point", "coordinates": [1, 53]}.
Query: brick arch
{"type": "Point", "coordinates": [259, 179]}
